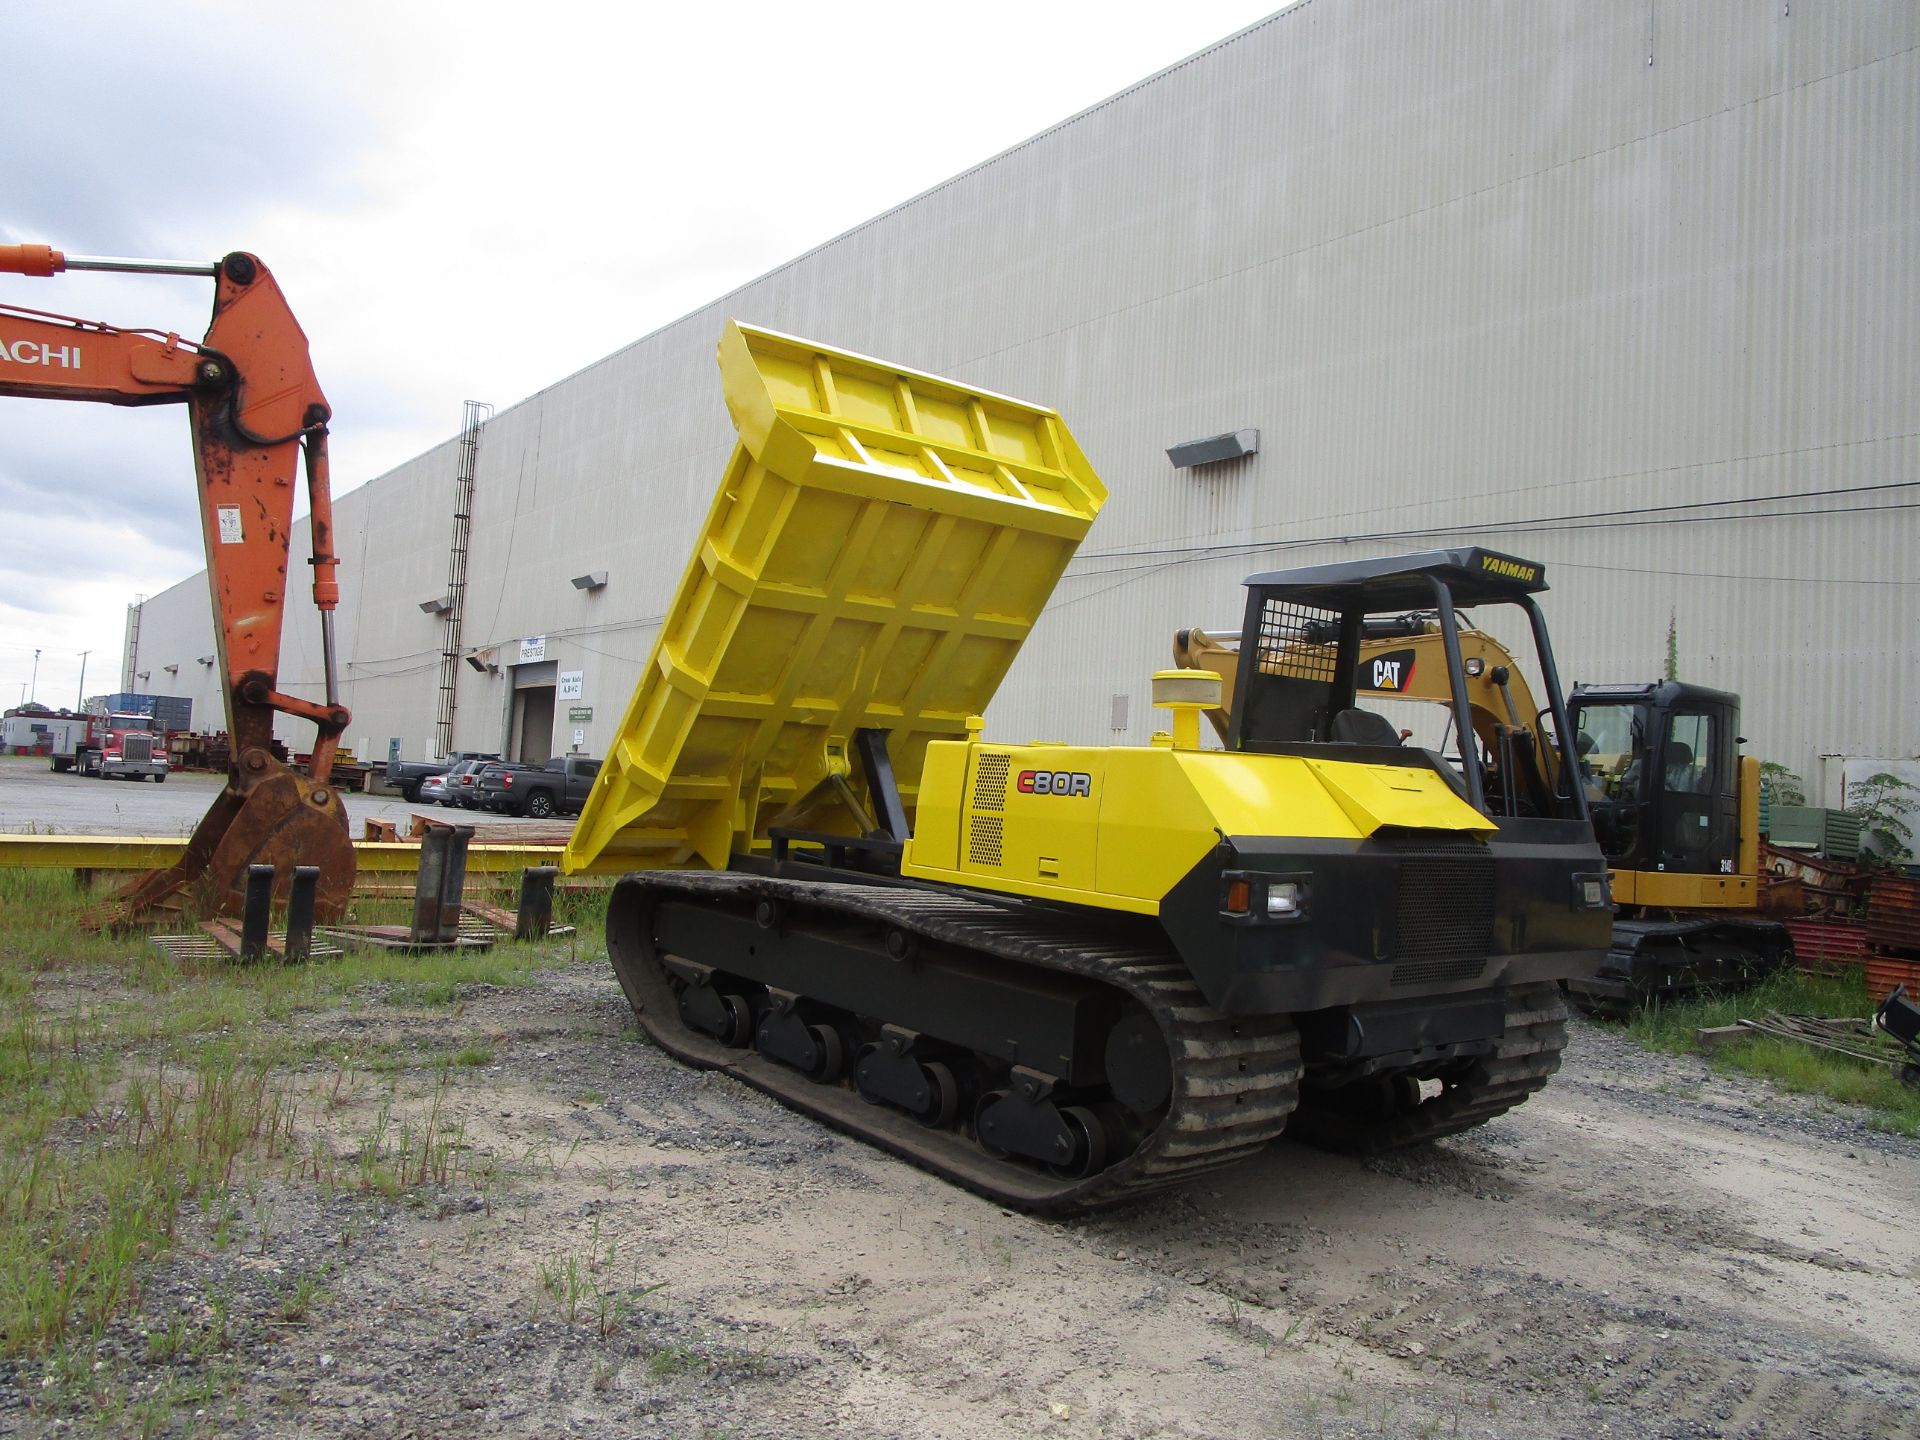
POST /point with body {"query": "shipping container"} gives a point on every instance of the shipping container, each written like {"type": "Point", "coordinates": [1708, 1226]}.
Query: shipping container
{"type": "Point", "coordinates": [170, 712]}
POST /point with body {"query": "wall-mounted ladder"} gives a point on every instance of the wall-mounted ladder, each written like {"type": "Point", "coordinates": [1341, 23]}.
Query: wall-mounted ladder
{"type": "Point", "coordinates": [477, 414]}
{"type": "Point", "coordinates": [130, 658]}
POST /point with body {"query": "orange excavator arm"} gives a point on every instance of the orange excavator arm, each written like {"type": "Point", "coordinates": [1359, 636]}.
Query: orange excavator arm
{"type": "Point", "coordinates": [255, 410]}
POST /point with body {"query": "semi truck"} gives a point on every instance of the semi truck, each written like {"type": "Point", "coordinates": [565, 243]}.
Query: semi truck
{"type": "Point", "coordinates": [114, 745]}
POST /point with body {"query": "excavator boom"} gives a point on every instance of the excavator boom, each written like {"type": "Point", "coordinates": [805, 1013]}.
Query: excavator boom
{"type": "Point", "coordinates": [258, 418]}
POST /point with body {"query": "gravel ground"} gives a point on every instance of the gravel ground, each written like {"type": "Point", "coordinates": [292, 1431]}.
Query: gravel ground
{"type": "Point", "coordinates": [620, 1246]}
{"type": "Point", "coordinates": [631, 1248]}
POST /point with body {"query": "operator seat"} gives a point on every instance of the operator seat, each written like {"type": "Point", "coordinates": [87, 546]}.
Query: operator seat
{"type": "Point", "coordinates": [1688, 823]}
{"type": "Point", "coordinates": [1681, 776]}
{"type": "Point", "coordinates": [1363, 727]}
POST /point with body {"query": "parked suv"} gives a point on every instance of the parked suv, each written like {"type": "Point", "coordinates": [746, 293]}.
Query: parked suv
{"type": "Point", "coordinates": [558, 787]}
{"type": "Point", "coordinates": [412, 776]}
{"type": "Point", "coordinates": [454, 788]}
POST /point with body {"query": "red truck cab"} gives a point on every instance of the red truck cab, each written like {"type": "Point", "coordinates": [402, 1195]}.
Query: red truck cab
{"type": "Point", "coordinates": [125, 746]}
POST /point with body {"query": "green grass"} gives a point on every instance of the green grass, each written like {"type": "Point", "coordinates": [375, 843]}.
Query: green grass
{"type": "Point", "coordinates": [670, 1360]}
{"type": "Point", "coordinates": [1799, 1069]}
{"type": "Point", "coordinates": [91, 1187]}
{"type": "Point", "coordinates": [132, 1085]}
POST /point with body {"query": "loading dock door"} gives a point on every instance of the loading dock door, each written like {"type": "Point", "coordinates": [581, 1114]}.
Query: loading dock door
{"type": "Point", "coordinates": [531, 738]}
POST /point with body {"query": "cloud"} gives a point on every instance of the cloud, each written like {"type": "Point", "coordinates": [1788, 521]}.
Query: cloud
{"type": "Point", "coordinates": [153, 126]}
{"type": "Point", "coordinates": [78, 463]}
{"type": "Point", "coordinates": [78, 603]}
{"type": "Point", "coordinates": [465, 201]}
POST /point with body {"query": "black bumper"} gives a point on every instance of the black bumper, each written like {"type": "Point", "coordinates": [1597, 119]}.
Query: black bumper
{"type": "Point", "coordinates": [1397, 916]}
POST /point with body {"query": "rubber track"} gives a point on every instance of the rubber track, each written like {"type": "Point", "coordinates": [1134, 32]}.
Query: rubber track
{"type": "Point", "coordinates": [1655, 967]}
{"type": "Point", "coordinates": [1235, 1081]}
{"type": "Point", "coordinates": [1527, 1055]}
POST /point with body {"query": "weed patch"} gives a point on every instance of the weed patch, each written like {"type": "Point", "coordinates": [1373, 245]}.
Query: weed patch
{"type": "Point", "coordinates": [135, 1087]}
{"type": "Point", "coordinates": [86, 1204]}
{"type": "Point", "coordinates": [1798, 1069]}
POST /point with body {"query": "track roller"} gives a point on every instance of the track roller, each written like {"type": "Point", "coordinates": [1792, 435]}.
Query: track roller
{"type": "Point", "coordinates": [727, 1017]}
{"type": "Point", "coordinates": [1070, 1140]}
{"type": "Point", "coordinates": [783, 1034]}
{"type": "Point", "coordinates": [889, 1073]}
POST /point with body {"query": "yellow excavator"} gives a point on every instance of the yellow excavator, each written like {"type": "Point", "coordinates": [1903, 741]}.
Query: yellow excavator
{"type": "Point", "coordinates": [1675, 807]}
{"type": "Point", "coordinates": [1061, 975]}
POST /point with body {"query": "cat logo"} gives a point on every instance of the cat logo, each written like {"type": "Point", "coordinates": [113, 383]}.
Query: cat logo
{"type": "Point", "coordinates": [1391, 673]}
{"type": "Point", "coordinates": [1055, 782]}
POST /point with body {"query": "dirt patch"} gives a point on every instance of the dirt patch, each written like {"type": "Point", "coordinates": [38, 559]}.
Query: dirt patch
{"type": "Point", "coordinates": [594, 1239]}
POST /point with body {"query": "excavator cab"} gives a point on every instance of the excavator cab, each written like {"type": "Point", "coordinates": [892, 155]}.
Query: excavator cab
{"type": "Point", "coordinates": [1310, 651]}
{"type": "Point", "coordinates": [1660, 767]}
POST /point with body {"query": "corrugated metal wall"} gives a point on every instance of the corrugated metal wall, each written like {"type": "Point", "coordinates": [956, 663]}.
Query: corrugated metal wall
{"type": "Point", "coordinates": [1628, 289]}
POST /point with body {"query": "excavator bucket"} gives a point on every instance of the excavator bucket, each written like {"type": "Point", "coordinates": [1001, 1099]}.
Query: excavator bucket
{"type": "Point", "coordinates": [881, 545]}
{"type": "Point", "coordinates": [267, 815]}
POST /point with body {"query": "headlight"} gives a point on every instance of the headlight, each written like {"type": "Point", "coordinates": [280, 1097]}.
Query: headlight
{"type": "Point", "coordinates": [1249, 898]}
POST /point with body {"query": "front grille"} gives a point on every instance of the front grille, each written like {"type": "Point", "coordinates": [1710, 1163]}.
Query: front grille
{"type": "Point", "coordinates": [1443, 905]}
{"type": "Point", "coordinates": [137, 747]}
{"type": "Point", "coordinates": [1434, 972]}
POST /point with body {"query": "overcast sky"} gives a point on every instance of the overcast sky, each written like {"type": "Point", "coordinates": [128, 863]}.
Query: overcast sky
{"type": "Point", "coordinates": [459, 200]}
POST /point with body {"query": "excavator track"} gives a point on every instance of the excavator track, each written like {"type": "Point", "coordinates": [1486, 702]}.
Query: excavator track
{"type": "Point", "coordinates": [1234, 1081]}
{"type": "Point", "coordinates": [1661, 961]}
{"type": "Point", "coordinates": [1525, 1057]}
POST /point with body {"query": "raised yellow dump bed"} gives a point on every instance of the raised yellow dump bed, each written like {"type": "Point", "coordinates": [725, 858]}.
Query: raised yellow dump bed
{"type": "Point", "coordinates": [880, 546]}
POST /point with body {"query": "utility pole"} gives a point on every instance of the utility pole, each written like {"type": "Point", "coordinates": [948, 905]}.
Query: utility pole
{"type": "Point", "coordinates": [80, 705]}
{"type": "Point", "coordinates": [33, 685]}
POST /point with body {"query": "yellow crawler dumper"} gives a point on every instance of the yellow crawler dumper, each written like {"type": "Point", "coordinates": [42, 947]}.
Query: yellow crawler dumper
{"type": "Point", "coordinates": [1059, 975]}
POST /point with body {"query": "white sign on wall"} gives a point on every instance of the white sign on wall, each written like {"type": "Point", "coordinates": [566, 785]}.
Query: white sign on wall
{"type": "Point", "coordinates": [532, 650]}
{"type": "Point", "coordinates": [579, 739]}
{"type": "Point", "coordinates": [572, 685]}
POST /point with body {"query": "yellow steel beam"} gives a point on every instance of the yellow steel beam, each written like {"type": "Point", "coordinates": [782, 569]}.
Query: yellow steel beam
{"type": "Point", "coordinates": [121, 852]}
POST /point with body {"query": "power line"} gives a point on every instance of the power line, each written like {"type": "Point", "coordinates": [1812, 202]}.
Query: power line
{"type": "Point", "coordinates": [1543, 520]}
{"type": "Point", "coordinates": [1613, 478]}
{"type": "Point", "coordinates": [1187, 557]}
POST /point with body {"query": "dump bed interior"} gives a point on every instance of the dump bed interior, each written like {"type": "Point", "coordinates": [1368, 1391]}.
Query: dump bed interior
{"type": "Point", "coordinates": [880, 545]}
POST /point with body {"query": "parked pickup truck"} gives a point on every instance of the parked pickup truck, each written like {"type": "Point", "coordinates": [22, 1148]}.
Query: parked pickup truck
{"type": "Point", "coordinates": [407, 774]}
{"type": "Point", "coordinates": [558, 787]}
